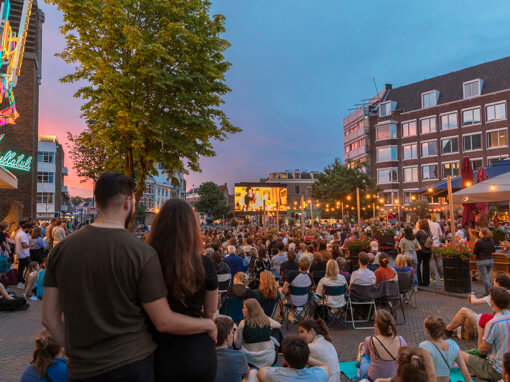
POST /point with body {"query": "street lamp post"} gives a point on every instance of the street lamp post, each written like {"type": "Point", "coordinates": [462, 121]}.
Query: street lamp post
{"type": "Point", "coordinates": [359, 212]}
{"type": "Point", "coordinates": [397, 202]}
{"type": "Point", "coordinates": [302, 217]}
{"type": "Point", "coordinates": [311, 210]}
{"type": "Point", "coordinates": [277, 216]}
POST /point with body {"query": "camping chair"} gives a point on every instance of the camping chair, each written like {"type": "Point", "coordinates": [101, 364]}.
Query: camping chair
{"type": "Point", "coordinates": [362, 295]}
{"type": "Point", "coordinates": [333, 313]}
{"type": "Point", "coordinates": [285, 274]}
{"type": "Point", "coordinates": [405, 286]}
{"type": "Point", "coordinates": [500, 263]}
{"type": "Point", "coordinates": [223, 283]}
{"type": "Point", "coordinates": [390, 295]}
{"type": "Point", "coordinates": [233, 308]}
{"type": "Point", "coordinates": [317, 276]}
{"type": "Point", "coordinates": [269, 306]}
{"type": "Point", "coordinates": [300, 312]}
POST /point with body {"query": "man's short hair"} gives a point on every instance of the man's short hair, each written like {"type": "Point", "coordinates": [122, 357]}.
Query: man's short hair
{"type": "Point", "coordinates": [364, 258]}
{"type": "Point", "coordinates": [500, 297]}
{"type": "Point", "coordinates": [224, 326]}
{"type": "Point", "coordinates": [503, 280]}
{"type": "Point", "coordinates": [110, 186]}
{"type": "Point", "coordinates": [295, 351]}
{"type": "Point", "coordinates": [280, 246]}
{"type": "Point", "coordinates": [304, 263]}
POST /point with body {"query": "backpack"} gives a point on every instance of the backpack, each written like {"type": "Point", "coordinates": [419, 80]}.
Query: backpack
{"type": "Point", "coordinates": [428, 242]}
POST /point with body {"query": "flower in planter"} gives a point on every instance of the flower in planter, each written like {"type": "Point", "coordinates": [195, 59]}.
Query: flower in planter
{"type": "Point", "coordinates": [358, 245]}
{"type": "Point", "coordinates": [462, 251]}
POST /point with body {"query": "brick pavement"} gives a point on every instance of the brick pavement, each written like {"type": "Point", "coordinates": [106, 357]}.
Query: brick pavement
{"type": "Point", "coordinates": [18, 329]}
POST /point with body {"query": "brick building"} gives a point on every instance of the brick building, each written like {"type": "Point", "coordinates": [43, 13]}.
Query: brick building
{"type": "Point", "coordinates": [418, 134]}
{"type": "Point", "coordinates": [22, 137]}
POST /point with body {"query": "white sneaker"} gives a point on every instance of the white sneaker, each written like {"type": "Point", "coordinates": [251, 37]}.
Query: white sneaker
{"type": "Point", "coordinates": [21, 285]}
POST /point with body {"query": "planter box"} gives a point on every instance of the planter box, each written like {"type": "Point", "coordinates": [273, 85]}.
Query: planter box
{"type": "Point", "coordinates": [457, 278]}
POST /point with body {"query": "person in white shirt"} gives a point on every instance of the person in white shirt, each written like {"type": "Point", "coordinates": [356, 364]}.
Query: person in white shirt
{"type": "Point", "coordinates": [363, 276]}
{"type": "Point", "coordinates": [437, 233]}
{"type": "Point", "coordinates": [22, 240]}
{"type": "Point", "coordinates": [332, 278]}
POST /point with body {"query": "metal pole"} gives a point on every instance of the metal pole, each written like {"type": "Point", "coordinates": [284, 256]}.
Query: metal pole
{"type": "Point", "coordinates": [302, 217]}
{"type": "Point", "coordinates": [359, 211]}
{"type": "Point", "coordinates": [373, 206]}
{"type": "Point", "coordinates": [311, 211]}
{"type": "Point", "coordinates": [450, 202]}
{"type": "Point", "coordinates": [277, 216]}
{"type": "Point", "coordinates": [343, 221]}
{"type": "Point", "coordinates": [264, 215]}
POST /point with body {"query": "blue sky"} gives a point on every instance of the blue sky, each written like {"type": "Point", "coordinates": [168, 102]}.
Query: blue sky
{"type": "Point", "coordinates": [299, 66]}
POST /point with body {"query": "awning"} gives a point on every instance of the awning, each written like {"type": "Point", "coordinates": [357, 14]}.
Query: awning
{"type": "Point", "coordinates": [495, 189]}
{"type": "Point", "coordinates": [441, 188]}
{"type": "Point", "coordinates": [7, 179]}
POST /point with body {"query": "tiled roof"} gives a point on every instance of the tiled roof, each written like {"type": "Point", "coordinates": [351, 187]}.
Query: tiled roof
{"type": "Point", "coordinates": [495, 76]}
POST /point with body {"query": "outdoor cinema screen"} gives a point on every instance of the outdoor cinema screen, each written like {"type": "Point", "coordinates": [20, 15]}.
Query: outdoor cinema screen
{"type": "Point", "coordinates": [250, 198]}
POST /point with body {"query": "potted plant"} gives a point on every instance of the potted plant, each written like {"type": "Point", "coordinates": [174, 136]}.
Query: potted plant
{"type": "Point", "coordinates": [457, 278]}
{"type": "Point", "coordinates": [384, 236]}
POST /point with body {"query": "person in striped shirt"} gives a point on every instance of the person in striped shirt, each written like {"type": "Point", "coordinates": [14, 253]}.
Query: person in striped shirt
{"type": "Point", "coordinates": [493, 341]}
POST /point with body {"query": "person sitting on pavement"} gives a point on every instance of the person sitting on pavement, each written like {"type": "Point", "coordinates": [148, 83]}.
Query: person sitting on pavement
{"type": "Point", "coordinates": [332, 278]}
{"type": "Point", "coordinates": [493, 341]}
{"type": "Point", "coordinates": [363, 276]}
{"type": "Point", "coordinates": [253, 336]}
{"type": "Point", "coordinates": [10, 303]}
{"type": "Point", "coordinates": [296, 355]}
{"type": "Point", "coordinates": [39, 288]}
{"type": "Point", "coordinates": [468, 319]}
{"type": "Point", "coordinates": [239, 290]}
{"type": "Point", "coordinates": [232, 365]}
{"type": "Point", "coordinates": [234, 262]}
{"type": "Point", "coordinates": [48, 362]}
{"type": "Point", "coordinates": [316, 335]}
{"type": "Point", "coordinates": [440, 355]}
{"type": "Point", "coordinates": [380, 351]}
{"type": "Point", "coordinates": [384, 273]}
{"type": "Point", "coordinates": [30, 276]}
{"type": "Point", "coordinates": [410, 366]}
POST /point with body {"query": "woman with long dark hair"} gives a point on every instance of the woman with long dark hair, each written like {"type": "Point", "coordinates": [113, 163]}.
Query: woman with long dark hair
{"type": "Point", "coordinates": [424, 237]}
{"type": "Point", "coordinates": [192, 285]}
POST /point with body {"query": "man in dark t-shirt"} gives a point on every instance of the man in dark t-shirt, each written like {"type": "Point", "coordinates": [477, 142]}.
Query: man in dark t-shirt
{"type": "Point", "coordinates": [106, 282]}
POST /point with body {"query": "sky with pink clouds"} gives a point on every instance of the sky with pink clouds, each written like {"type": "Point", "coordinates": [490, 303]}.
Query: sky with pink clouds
{"type": "Point", "coordinates": [298, 66]}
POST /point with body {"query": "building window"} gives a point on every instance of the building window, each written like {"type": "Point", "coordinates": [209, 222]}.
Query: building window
{"type": "Point", "coordinates": [472, 142]}
{"type": "Point", "coordinates": [429, 149]}
{"type": "Point", "coordinates": [387, 175]}
{"type": "Point", "coordinates": [451, 169]}
{"type": "Point", "coordinates": [449, 145]}
{"type": "Point", "coordinates": [45, 157]}
{"type": "Point", "coordinates": [297, 190]}
{"type": "Point", "coordinates": [410, 174]}
{"type": "Point", "coordinates": [495, 112]}
{"type": "Point", "coordinates": [45, 197]}
{"type": "Point", "coordinates": [45, 177]}
{"type": "Point", "coordinates": [410, 151]}
{"type": "Point", "coordinates": [408, 196]}
{"type": "Point", "coordinates": [429, 172]}
{"type": "Point", "coordinates": [471, 116]}
{"type": "Point", "coordinates": [385, 109]}
{"type": "Point", "coordinates": [476, 163]}
{"type": "Point", "coordinates": [386, 132]}
{"type": "Point", "coordinates": [429, 99]}
{"type": "Point", "coordinates": [496, 139]}
{"type": "Point", "coordinates": [449, 121]}
{"type": "Point", "coordinates": [389, 197]}
{"type": "Point", "coordinates": [428, 125]}
{"type": "Point", "coordinates": [388, 153]}
{"type": "Point", "coordinates": [409, 129]}
{"type": "Point", "coordinates": [471, 88]}
{"type": "Point", "coordinates": [493, 160]}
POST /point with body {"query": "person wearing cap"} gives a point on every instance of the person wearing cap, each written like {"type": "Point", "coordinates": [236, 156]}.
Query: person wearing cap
{"type": "Point", "coordinates": [374, 250]}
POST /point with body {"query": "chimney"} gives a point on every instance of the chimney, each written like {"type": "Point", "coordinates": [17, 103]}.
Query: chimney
{"type": "Point", "coordinates": [388, 86]}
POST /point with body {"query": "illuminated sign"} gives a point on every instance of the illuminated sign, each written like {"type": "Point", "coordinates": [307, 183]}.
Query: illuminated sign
{"type": "Point", "coordinates": [13, 160]}
{"type": "Point", "coordinates": [252, 198]}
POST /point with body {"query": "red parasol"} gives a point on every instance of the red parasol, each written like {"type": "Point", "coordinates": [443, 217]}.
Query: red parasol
{"type": "Point", "coordinates": [468, 216]}
{"type": "Point", "coordinates": [483, 208]}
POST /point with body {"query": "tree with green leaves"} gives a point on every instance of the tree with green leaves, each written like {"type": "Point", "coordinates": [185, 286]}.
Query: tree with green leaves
{"type": "Point", "coordinates": [338, 182]}
{"type": "Point", "coordinates": [153, 80]}
{"type": "Point", "coordinates": [212, 201]}
{"type": "Point", "coordinates": [418, 208]}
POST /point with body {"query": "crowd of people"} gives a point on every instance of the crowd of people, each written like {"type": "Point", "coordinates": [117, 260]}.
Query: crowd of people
{"type": "Point", "coordinates": [153, 307]}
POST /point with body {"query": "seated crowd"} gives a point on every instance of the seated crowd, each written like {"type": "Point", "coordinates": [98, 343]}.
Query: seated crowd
{"type": "Point", "coordinates": [174, 324]}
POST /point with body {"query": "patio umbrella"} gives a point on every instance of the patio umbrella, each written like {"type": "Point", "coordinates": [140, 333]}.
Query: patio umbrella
{"type": "Point", "coordinates": [468, 215]}
{"type": "Point", "coordinates": [483, 208]}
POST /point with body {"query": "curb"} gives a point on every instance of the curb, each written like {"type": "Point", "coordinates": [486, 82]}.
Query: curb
{"type": "Point", "coordinates": [444, 293]}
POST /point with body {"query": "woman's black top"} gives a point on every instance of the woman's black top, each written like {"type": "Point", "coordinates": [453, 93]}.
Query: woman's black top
{"type": "Point", "coordinates": [253, 335]}
{"type": "Point", "coordinates": [261, 266]}
{"type": "Point", "coordinates": [422, 236]}
{"type": "Point", "coordinates": [318, 267]}
{"type": "Point", "coordinates": [289, 266]}
{"type": "Point", "coordinates": [192, 305]}
{"type": "Point", "coordinates": [484, 248]}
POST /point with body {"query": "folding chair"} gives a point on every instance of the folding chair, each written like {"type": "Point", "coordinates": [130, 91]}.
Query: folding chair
{"type": "Point", "coordinates": [500, 263]}
{"type": "Point", "coordinates": [332, 313]}
{"type": "Point", "coordinates": [362, 295]}
{"type": "Point", "coordinates": [223, 283]}
{"type": "Point", "coordinates": [390, 295]}
{"type": "Point", "coordinates": [300, 312]}
{"type": "Point", "coordinates": [269, 306]}
{"type": "Point", "coordinates": [405, 285]}
{"type": "Point", "coordinates": [233, 308]}
{"type": "Point", "coordinates": [317, 276]}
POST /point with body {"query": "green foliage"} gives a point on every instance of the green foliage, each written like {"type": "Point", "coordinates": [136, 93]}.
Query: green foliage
{"type": "Point", "coordinates": [463, 250]}
{"type": "Point", "coordinates": [382, 234]}
{"type": "Point", "coordinates": [338, 181]}
{"type": "Point", "coordinates": [358, 245]}
{"type": "Point", "coordinates": [211, 200]}
{"type": "Point", "coordinates": [418, 209]}
{"type": "Point", "coordinates": [498, 234]}
{"type": "Point", "coordinates": [77, 200]}
{"type": "Point", "coordinates": [152, 74]}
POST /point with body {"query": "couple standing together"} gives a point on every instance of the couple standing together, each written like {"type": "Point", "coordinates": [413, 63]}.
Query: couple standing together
{"type": "Point", "coordinates": [128, 311]}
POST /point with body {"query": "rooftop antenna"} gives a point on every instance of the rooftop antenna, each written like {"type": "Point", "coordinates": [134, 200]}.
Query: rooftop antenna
{"type": "Point", "coordinates": [376, 91]}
